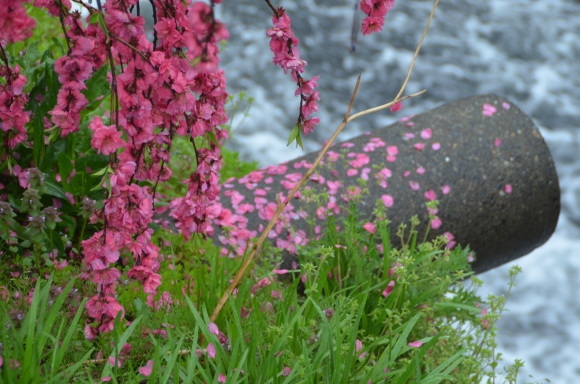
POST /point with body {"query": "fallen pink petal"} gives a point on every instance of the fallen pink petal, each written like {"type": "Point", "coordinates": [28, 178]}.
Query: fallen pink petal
{"type": "Point", "coordinates": [370, 227]}
{"type": "Point", "coordinates": [389, 288]}
{"type": "Point", "coordinates": [213, 328]}
{"type": "Point", "coordinates": [210, 350]}
{"type": "Point", "coordinates": [146, 369]}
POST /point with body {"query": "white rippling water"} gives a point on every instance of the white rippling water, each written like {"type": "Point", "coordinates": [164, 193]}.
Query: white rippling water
{"type": "Point", "coordinates": [528, 52]}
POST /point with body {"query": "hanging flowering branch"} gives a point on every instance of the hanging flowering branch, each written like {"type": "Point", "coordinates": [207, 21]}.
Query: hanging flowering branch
{"type": "Point", "coordinates": [159, 89]}
{"type": "Point", "coordinates": [284, 44]}
{"type": "Point", "coordinates": [376, 11]}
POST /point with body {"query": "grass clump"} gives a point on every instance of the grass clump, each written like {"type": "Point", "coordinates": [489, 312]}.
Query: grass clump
{"type": "Point", "coordinates": [356, 311]}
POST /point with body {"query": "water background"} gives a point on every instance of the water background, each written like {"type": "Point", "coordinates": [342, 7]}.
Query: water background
{"type": "Point", "coordinates": [528, 52]}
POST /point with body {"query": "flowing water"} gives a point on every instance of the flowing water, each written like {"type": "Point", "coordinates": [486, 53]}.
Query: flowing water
{"type": "Point", "coordinates": [528, 52]}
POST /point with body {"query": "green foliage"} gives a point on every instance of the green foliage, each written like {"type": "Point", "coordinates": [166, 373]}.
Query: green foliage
{"type": "Point", "coordinates": [344, 328]}
{"type": "Point", "coordinates": [41, 346]}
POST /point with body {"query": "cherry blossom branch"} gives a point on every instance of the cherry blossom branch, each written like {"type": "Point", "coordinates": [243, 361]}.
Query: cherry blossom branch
{"type": "Point", "coordinates": [284, 45]}
{"type": "Point", "coordinates": [282, 203]}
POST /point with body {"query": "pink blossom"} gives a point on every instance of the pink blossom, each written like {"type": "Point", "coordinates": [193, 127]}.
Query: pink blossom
{"type": "Point", "coordinates": [436, 223]}
{"type": "Point", "coordinates": [370, 227]}
{"type": "Point", "coordinates": [286, 371]}
{"type": "Point", "coordinates": [333, 186]}
{"type": "Point", "coordinates": [358, 347]}
{"type": "Point", "coordinates": [507, 188]}
{"type": "Point", "coordinates": [115, 361]}
{"type": "Point", "coordinates": [307, 86]}
{"type": "Point", "coordinates": [105, 276]}
{"type": "Point", "coordinates": [419, 146]}
{"type": "Point", "coordinates": [106, 139]}
{"type": "Point", "coordinates": [89, 333]}
{"type": "Point", "coordinates": [360, 160]}
{"type": "Point", "coordinates": [372, 24]}
{"type": "Point", "coordinates": [146, 369]}
{"type": "Point", "coordinates": [426, 133]}
{"type": "Point", "coordinates": [261, 283]}
{"type": "Point", "coordinates": [213, 328]}
{"type": "Point", "coordinates": [445, 189]}
{"type": "Point", "coordinates": [221, 378]}
{"type": "Point", "coordinates": [414, 185]}
{"type": "Point", "coordinates": [387, 200]}
{"type": "Point", "coordinates": [488, 110]}
{"type": "Point", "coordinates": [450, 240]}
{"type": "Point", "coordinates": [376, 11]}
{"type": "Point", "coordinates": [15, 24]}
{"type": "Point", "coordinates": [430, 195]}
{"type": "Point", "coordinates": [382, 176]}
{"type": "Point", "coordinates": [332, 156]}
{"type": "Point", "coordinates": [210, 350]}
{"type": "Point", "coordinates": [364, 174]}
{"type": "Point", "coordinates": [436, 146]}
{"type": "Point", "coordinates": [497, 143]}
{"type": "Point", "coordinates": [389, 288]}
{"type": "Point", "coordinates": [415, 344]}
{"type": "Point", "coordinates": [73, 69]}
{"type": "Point", "coordinates": [396, 107]}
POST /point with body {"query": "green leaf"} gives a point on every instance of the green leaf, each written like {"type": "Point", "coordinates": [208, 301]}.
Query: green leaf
{"type": "Point", "coordinates": [53, 152]}
{"type": "Point", "coordinates": [402, 339]}
{"type": "Point", "coordinates": [31, 56]}
{"type": "Point", "coordinates": [65, 167]}
{"type": "Point", "coordinates": [95, 18]}
{"type": "Point", "coordinates": [101, 172]}
{"type": "Point", "coordinates": [293, 133]}
{"type": "Point", "coordinates": [69, 223]}
{"type": "Point", "coordinates": [98, 88]}
{"type": "Point", "coordinates": [46, 89]}
{"type": "Point", "coordinates": [453, 305]}
{"type": "Point", "coordinates": [52, 188]}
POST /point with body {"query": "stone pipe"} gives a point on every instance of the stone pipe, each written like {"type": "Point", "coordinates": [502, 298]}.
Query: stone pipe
{"type": "Point", "coordinates": [481, 157]}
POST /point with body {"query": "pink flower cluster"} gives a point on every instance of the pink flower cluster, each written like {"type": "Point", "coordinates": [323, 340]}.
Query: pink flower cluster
{"type": "Point", "coordinates": [158, 89]}
{"type": "Point", "coordinates": [15, 25]}
{"type": "Point", "coordinates": [13, 116]}
{"type": "Point", "coordinates": [376, 11]}
{"type": "Point", "coordinates": [86, 54]}
{"type": "Point", "coordinates": [284, 44]}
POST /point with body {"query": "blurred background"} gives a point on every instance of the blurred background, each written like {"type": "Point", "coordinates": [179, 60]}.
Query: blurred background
{"type": "Point", "coordinates": [528, 52]}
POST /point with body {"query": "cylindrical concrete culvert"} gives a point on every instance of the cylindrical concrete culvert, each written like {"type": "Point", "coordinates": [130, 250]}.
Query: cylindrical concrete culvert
{"type": "Point", "coordinates": [481, 157]}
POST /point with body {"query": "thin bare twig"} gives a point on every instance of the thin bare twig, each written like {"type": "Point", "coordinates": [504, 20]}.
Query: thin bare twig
{"type": "Point", "coordinates": [409, 71]}
{"type": "Point", "coordinates": [282, 204]}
